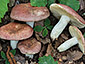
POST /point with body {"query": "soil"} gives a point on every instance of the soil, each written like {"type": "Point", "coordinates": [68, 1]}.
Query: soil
{"type": "Point", "coordinates": [71, 56]}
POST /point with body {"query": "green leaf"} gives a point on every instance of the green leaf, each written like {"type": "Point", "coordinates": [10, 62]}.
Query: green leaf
{"type": "Point", "coordinates": [49, 2]}
{"type": "Point", "coordinates": [38, 3]}
{"type": "Point", "coordinates": [74, 4]}
{"type": "Point", "coordinates": [47, 60]}
{"type": "Point", "coordinates": [49, 27]}
{"type": "Point", "coordinates": [3, 8]}
{"type": "Point", "coordinates": [38, 28]}
{"type": "Point", "coordinates": [84, 35]}
{"type": "Point", "coordinates": [7, 62]}
{"type": "Point", "coordinates": [47, 22]}
{"type": "Point", "coordinates": [3, 55]}
{"type": "Point", "coordinates": [13, 52]}
{"type": "Point", "coordinates": [45, 32]}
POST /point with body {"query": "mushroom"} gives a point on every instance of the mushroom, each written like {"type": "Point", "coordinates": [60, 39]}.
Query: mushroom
{"type": "Point", "coordinates": [14, 32]}
{"type": "Point", "coordinates": [29, 47]}
{"type": "Point", "coordinates": [67, 14]}
{"type": "Point", "coordinates": [28, 13]}
{"type": "Point", "coordinates": [77, 38]}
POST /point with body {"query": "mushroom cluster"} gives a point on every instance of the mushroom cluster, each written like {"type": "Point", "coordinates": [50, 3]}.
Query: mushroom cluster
{"type": "Point", "coordinates": [16, 31]}
{"type": "Point", "coordinates": [66, 15]}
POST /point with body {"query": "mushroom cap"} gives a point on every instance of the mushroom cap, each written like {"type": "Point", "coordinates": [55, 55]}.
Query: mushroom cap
{"type": "Point", "coordinates": [75, 32]}
{"type": "Point", "coordinates": [15, 31]}
{"type": "Point", "coordinates": [27, 13]}
{"type": "Point", "coordinates": [29, 46]}
{"type": "Point", "coordinates": [60, 9]}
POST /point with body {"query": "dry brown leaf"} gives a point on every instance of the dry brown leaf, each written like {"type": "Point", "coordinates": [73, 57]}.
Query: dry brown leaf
{"type": "Point", "coordinates": [18, 62]}
{"type": "Point", "coordinates": [42, 50]}
{"type": "Point", "coordinates": [0, 47]}
{"type": "Point", "coordinates": [33, 63]}
{"type": "Point", "coordinates": [82, 4]}
{"type": "Point", "coordinates": [75, 55]}
{"type": "Point", "coordinates": [64, 36]}
{"type": "Point", "coordinates": [49, 50]}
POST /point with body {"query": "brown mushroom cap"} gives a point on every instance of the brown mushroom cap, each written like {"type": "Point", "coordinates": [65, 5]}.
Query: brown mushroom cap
{"type": "Point", "coordinates": [26, 13]}
{"type": "Point", "coordinates": [29, 46]}
{"type": "Point", "coordinates": [60, 9]}
{"type": "Point", "coordinates": [15, 31]}
{"type": "Point", "coordinates": [75, 32]}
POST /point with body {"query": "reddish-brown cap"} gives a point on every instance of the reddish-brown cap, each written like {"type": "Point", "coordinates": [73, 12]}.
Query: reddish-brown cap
{"type": "Point", "coordinates": [60, 9]}
{"type": "Point", "coordinates": [15, 31]}
{"type": "Point", "coordinates": [29, 46]}
{"type": "Point", "coordinates": [75, 32]}
{"type": "Point", "coordinates": [26, 13]}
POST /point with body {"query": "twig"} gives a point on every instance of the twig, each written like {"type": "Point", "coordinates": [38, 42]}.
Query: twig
{"type": "Point", "coordinates": [12, 56]}
{"type": "Point", "coordinates": [9, 58]}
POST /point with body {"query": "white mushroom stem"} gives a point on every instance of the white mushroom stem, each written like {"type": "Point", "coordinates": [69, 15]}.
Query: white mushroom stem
{"type": "Point", "coordinates": [59, 27]}
{"type": "Point", "coordinates": [67, 44]}
{"type": "Point", "coordinates": [13, 44]}
{"type": "Point", "coordinates": [30, 23]}
{"type": "Point", "coordinates": [29, 55]}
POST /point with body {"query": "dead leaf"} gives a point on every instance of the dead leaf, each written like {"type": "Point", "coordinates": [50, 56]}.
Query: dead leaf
{"type": "Point", "coordinates": [69, 62]}
{"type": "Point", "coordinates": [49, 50]}
{"type": "Point", "coordinates": [19, 58]}
{"type": "Point", "coordinates": [42, 50]}
{"type": "Point", "coordinates": [18, 62]}
{"type": "Point", "coordinates": [64, 36]}
{"type": "Point", "coordinates": [75, 55]}
{"type": "Point", "coordinates": [0, 47]}
{"type": "Point", "coordinates": [33, 63]}
{"type": "Point", "coordinates": [82, 4]}
{"type": "Point", "coordinates": [26, 62]}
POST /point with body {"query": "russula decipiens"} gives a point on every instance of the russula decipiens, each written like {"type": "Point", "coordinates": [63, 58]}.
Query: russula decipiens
{"type": "Point", "coordinates": [67, 14]}
{"type": "Point", "coordinates": [29, 47]}
{"type": "Point", "coordinates": [77, 39]}
{"type": "Point", "coordinates": [29, 14]}
{"type": "Point", "coordinates": [14, 32]}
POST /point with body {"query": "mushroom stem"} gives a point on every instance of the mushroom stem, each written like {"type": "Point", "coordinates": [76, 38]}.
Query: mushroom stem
{"type": "Point", "coordinates": [59, 27]}
{"type": "Point", "coordinates": [29, 55]}
{"type": "Point", "coordinates": [67, 44]}
{"type": "Point", "coordinates": [13, 44]}
{"type": "Point", "coordinates": [30, 23]}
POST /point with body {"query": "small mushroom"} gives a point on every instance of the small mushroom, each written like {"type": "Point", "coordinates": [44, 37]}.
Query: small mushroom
{"type": "Point", "coordinates": [77, 39]}
{"type": "Point", "coordinates": [29, 47]}
{"type": "Point", "coordinates": [14, 32]}
{"type": "Point", "coordinates": [67, 14]}
{"type": "Point", "coordinates": [28, 13]}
